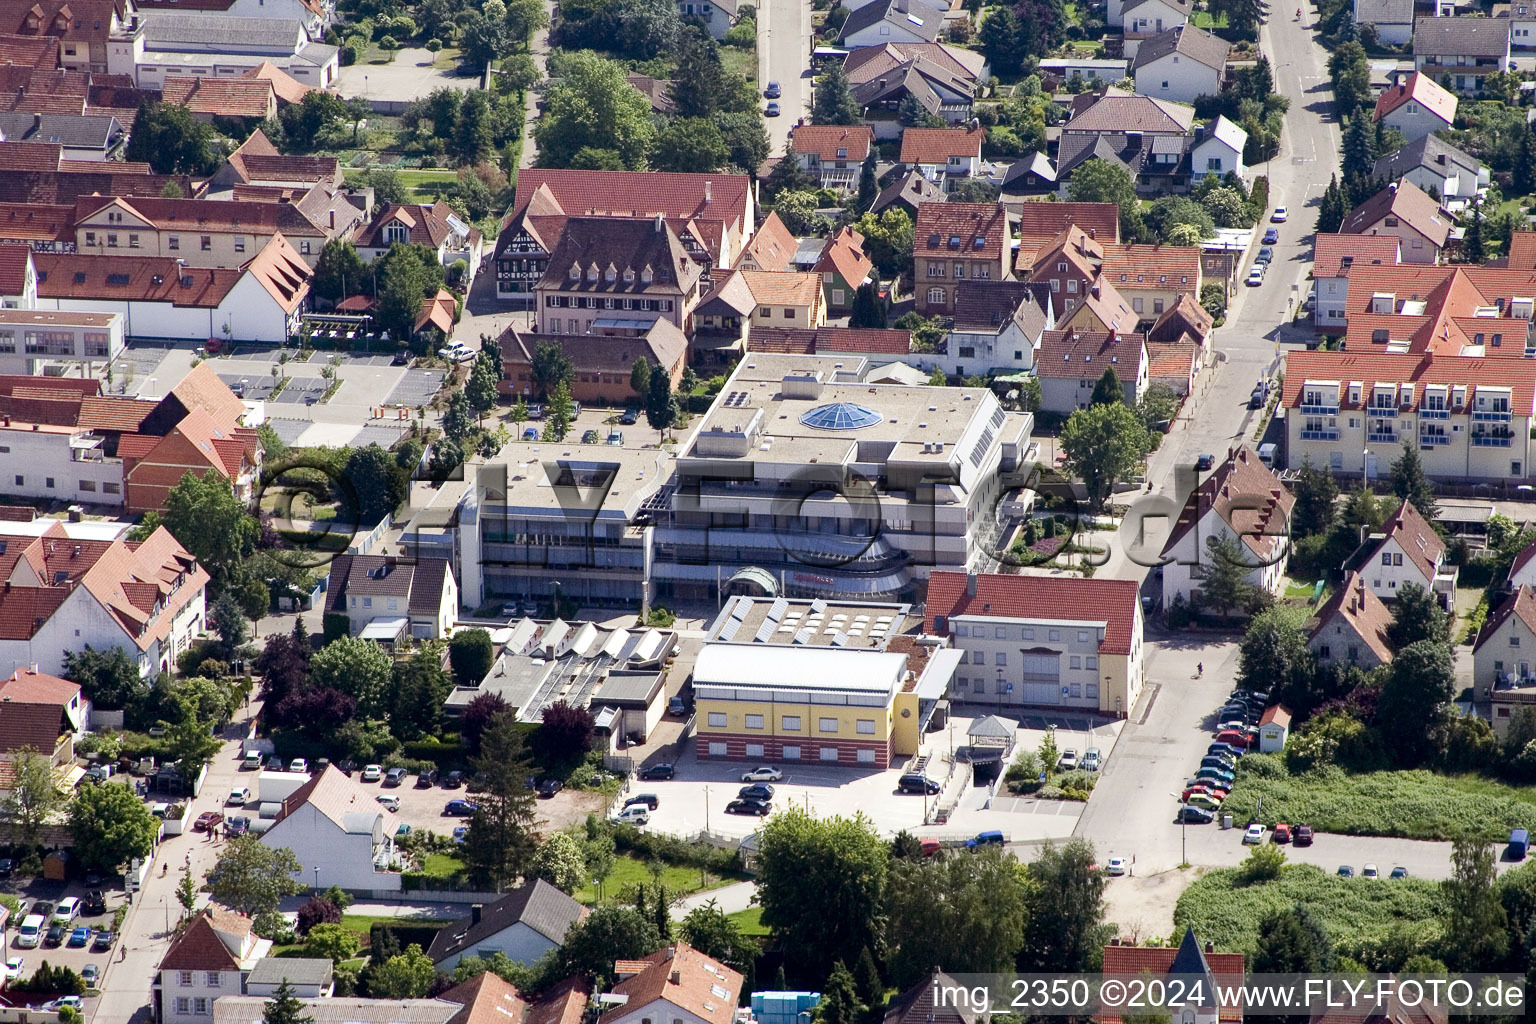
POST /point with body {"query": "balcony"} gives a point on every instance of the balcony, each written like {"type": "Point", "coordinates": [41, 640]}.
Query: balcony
{"type": "Point", "coordinates": [1435, 414]}
{"type": "Point", "coordinates": [1490, 441]}
{"type": "Point", "coordinates": [1433, 440]}
{"type": "Point", "coordinates": [1308, 409]}
{"type": "Point", "coordinates": [1319, 435]}
{"type": "Point", "coordinates": [1491, 415]}
{"type": "Point", "coordinates": [1387, 437]}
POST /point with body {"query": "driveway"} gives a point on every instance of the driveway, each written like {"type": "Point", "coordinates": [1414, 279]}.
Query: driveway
{"type": "Point", "coordinates": [784, 56]}
{"type": "Point", "coordinates": [410, 76]}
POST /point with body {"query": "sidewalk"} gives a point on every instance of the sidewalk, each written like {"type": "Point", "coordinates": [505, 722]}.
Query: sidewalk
{"type": "Point", "coordinates": [731, 898]}
{"type": "Point", "coordinates": [538, 48]}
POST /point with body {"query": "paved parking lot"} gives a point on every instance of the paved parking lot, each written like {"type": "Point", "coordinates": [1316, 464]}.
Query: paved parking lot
{"type": "Point", "coordinates": [415, 387]}
{"type": "Point", "coordinates": [61, 955]}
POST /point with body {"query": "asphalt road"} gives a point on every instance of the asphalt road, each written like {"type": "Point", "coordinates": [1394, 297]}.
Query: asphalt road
{"type": "Point", "coordinates": [784, 56]}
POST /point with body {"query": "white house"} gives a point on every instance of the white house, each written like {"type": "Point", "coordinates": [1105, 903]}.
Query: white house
{"type": "Point", "coordinates": [676, 983]}
{"type": "Point", "coordinates": [1218, 150]}
{"type": "Point", "coordinates": [997, 325]}
{"type": "Point", "coordinates": [523, 925]}
{"type": "Point", "coordinates": [1461, 50]}
{"type": "Point", "coordinates": [943, 155]}
{"type": "Point", "coordinates": [334, 825]}
{"type": "Point", "coordinates": [207, 960]}
{"type": "Point", "coordinates": [418, 596]}
{"type": "Point", "coordinates": [1351, 628]}
{"type": "Point", "coordinates": [717, 15]}
{"type": "Point", "coordinates": [1180, 64]}
{"type": "Point", "coordinates": [1274, 725]}
{"type": "Point", "coordinates": [1147, 18]}
{"type": "Point", "coordinates": [1522, 24]}
{"type": "Point", "coordinates": [1333, 257]}
{"type": "Point", "coordinates": [437, 227]}
{"type": "Point", "coordinates": [1407, 550]}
{"type": "Point", "coordinates": [1435, 166]}
{"type": "Point", "coordinates": [1392, 19]}
{"type": "Point", "coordinates": [1416, 107]}
{"type": "Point", "coordinates": [891, 21]}
{"type": "Point", "coordinates": [1239, 501]}
{"type": "Point", "coordinates": [1522, 572]}
{"type": "Point", "coordinates": [1072, 360]}
{"type": "Point", "coordinates": [1502, 677]}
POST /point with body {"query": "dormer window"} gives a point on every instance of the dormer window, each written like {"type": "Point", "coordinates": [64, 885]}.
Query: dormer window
{"type": "Point", "coordinates": [646, 277]}
{"type": "Point", "coordinates": [592, 272]}
{"type": "Point", "coordinates": [842, 153]}
{"type": "Point", "coordinates": [610, 274]}
{"type": "Point", "coordinates": [575, 272]}
{"type": "Point", "coordinates": [629, 275]}
{"type": "Point", "coordinates": [396, 232]}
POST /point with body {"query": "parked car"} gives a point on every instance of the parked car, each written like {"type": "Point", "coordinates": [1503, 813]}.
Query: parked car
{"type": "Point", "coordinates": [1302, 836]}
{"type": "Point", "coordinates": [590, 437]}
{"type": "Point", "coordinates": [389, 803]}
{"type": "Point", "coordinates": [549, 787]}
{"type": "Point", "coordinates": [238, 825]}
{"type": "Point", "coordinates": [461, 833]}
{"type": "Point", "coordinates": [677, 706]}
{"type": "Point", "coordinates": [530, 434]}
{"type": "Point", "coordinates": [251, 762]}
{"type": "Point", "coordinates": [79, 937]}
{"type": "Point", "coordinates": [274, 763]}
{"type": "Point", "coordinates": [1254, 835]}
{"type": "Point", "coordinates": [1255, 276]}
{"type": "Point", "coordinates": [458, 809]}
{"type": "Point", "coordinates": [1210, 801]}
{"type": "Point", "coordinates": [1216, 761]}
{"type": "Point", "coordinates": [103, 941]}
{"type": "Point", "coordinates": [992, 838]}
{"type": "Point", "coordinates": [1345, 871]}
{"type": "Point", "coordinates": [95, 903]}
{"type": "Point", "coordinates": [1092, 759]}
{"type": "Point", "coordinates": [14, 966]}
{"type": "Point", "coordinates": [395, 776]}
{"type": "Point", "coordinates": [1281, 834]}
{"type": "Point", "coordinates": [1217, 748]}
{"type": "Point", "coordinates": [772, 109]}
{"type": "Point", "coordinates": [453, 780]}
{"type": "Point", "coordinates": [7, 867]}
{"type": "Point", "coordinates": [1116, 867]}
{"type": "Point", "coordinates": [635, 814]}
{"type": "Point", "coordinates": [650, 800]}
{"type": "Point", "coordinates": [630, 417]}
{"type": "Point", "coordinates": [403, 831]}
{"type": "Point", "coordinates": [920, 784]}
{"type": "Point", "coordinates": [1266, 255]}
{"type": "Point", "coordinates": [1278, 217]}
{"type": "Point", "coordinates": [373, 772]}
{"type": "Point", "coordinates": [1194, 815]}
{"type": "Point", "coordinates": [772, 92]}
{"type": "Point", "coordinates": [757, 791]}
{"type": "Point", "coordinates": [54, 935]}
{"type": "Point", "coordinates": [1271, 236]}
{"type": "Point", "coordinates": [1370, 871]}
{"type": "Point", "coordinates": [299, 765]}
{"type": "Point", "coordinates": [426, 778]}
{"type": "Point", "coordinates": [1399, 873]}
{"type": "Point", "coordinates": [1216, 773]}
{"type": "Point", "coordinates": [1068, 761]}
{"type": "Point", "coordinates": [1204, 462]}
{"type": "Point", "coordinates": [763, 774]}
{"type": "Point", "coordinates": [658, 771]}
{"type": "Point", "coordinates": [207, 821]}
{"type": "Point", "coordinates": [761, 808]}
{"type": "Point", "coordinates": [90, 974]}
{"type": "Point", "coordinates": [238, 796]}
{"type": "Point", "coordinates": [1233, 738]}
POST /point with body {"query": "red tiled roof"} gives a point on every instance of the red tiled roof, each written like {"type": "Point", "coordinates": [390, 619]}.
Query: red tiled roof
{"type": "Point", "coordinates": [1369, 368]}
{"type": "Point", "coordinates": [1409, 204]}
{"type": "Point", "coordinates": [149, 278]}
{"type": "Point", "coordinates": [1417, 539]}
{"type": "Point", "coordinates": [1522, 605]}
{"type": "Point", "coordinates": [1101, 221]}
{"type": "Point", "coordinates": [685, 979]}
{"type": "Point", "coordinates": [676, 196]}
{"type": "Point", "coordinates": [221, 97]}
{"type": "Point", "coordinates": [1073, 353]}
{"type": "Point", "coordinates": [1158, 267]}
{"type": "Point", "coordinates": [1127, 962]}
{"type": "Point", "coordinates": [288, 88]}
{"type": "Point", "coordinates": [844, 255]}
{"type": "Point", "coordinates": [869, 340]}
{"type": "Point", "coordinates": [937, 145]}
{"type": "Point", "coordinates": [1425, 91]}
{"type": "Point", "coordinates": [827, 140]}
{"type": "Point", "coordinates": [1113, 602]}
{"type": "Point", "coordinates": [1277, 714]}
{"type": "Point", "coordinates": [14, 260]}
{"type": "Point", "coordinates": [29, 51]}
{"type": "Point", "coordinates": [939, 225]}
{"type": "Point", "coordinates": [28, 687]}
{"type": "Point", "coordinates": [1232, 491]}
{"type": "Point", "coordinates": [1365, 613]}
{"type": "Point", "coordinates": [1335, 255]}
{"type": "Point", "coordinates": [771, 247]}
{"type": "Point", "coordinates": [199, 948]}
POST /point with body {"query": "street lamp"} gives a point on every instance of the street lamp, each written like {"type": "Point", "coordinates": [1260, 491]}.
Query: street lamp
{"type": "Point", "coordinates": [317, 879]}
{"type": "Point", "coordinates": [1183, 831]}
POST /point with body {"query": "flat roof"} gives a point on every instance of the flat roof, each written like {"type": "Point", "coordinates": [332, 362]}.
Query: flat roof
{"type": "Point", "coordinates": [805, 622]}
{"type": "Point", "coordinates": [571, 477]}
{"type": "Point", "coordinates": [798, 668]}
{"type": "Point", "coordinates": [57, 317]}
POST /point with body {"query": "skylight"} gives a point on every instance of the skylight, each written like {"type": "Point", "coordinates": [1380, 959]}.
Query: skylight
{"type": "Point", "coordinates": [841, 416]}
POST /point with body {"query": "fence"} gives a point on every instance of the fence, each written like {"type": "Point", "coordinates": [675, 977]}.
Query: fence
{"type": "Point", "coordinates": [362, 543]}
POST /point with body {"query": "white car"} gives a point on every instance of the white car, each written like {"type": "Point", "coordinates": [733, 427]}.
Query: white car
{"type": "Point", "coordinates": [238, 796]}
{"type": "Point", "coordinates": [389, 803]}
{"type": "Point", "coordinates": [299, 765]}
{"type": "Point", "coordinates": [13, 967]}
{"type": "Point", "coordinates": [1369, 871]}
{"type": "Point", "coordinates": [1278, 217]}
{"type": "Point", "coordinates": [763, 774]}
{"type": "Point", "coordinates": [1092, 760]}
{"type": "Point", "coordinates": [1068, 761]}
{"type": "Point", "coordinates": [1116, 867]}
{"type": "Point", "coordinates": [634, 814]}
{"type": "Point", "coordinates": [1254, 835]}
{"type": "Point", "coordinates": [67, 910]}
{"type": "Point", "coordinates": [1256, 276]}
{"type": "Point", "coordinates": [373, 773]}
{"type": "Point", "coordinates": [253, 762]}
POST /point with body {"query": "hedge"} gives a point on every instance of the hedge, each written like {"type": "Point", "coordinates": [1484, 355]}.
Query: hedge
{"type": "Point", "coordinates": [647, 845]}
{"type": "Point", "coordinates": [336, 625]}
{"type": "Point", "coordinates": [407, 934]}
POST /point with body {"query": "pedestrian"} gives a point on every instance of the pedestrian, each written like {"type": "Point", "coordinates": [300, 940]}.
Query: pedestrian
{"type": "Point", "coordinates": [1199, 669]}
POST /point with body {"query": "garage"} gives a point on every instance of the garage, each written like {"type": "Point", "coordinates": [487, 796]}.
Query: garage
{"type": "Point", "coordinates": [1042, 676]}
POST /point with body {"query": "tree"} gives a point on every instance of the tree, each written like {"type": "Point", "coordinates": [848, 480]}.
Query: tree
{"type": "Point", "coordinates": [1172, 211]}
{"type": "Point", "coordinates": [403, 278]}
{"type": "Point", "coordinates": [285, 1008]}
{"type": "Point", "coordinates": [1064, 910]}
{"type": "Point", "coordinates": [557, 413]}
{"type": "Point", "coordinates": [660, 410]}
{"type": "Point", "coordinates": [798, 211]}
{"type": "Point", "coordinates": [378, 482]}
{"type": "Point", "coordinates": [1292, 942]}
{"type": "Point", "coordinates": [407, 976]}
{"type": "Point", "coordinates": [108, 678]}
{"type": "Point", "coordinates": [1474, 935]}
{"type": "Point", "coordinates": [834, 102]}
{"type": "Point", "coordinates": [168, 138]}
{"type": "Point", "coordinates": [475, 134]}
{"type": "Point", "coordinates": [458, 425]}
{"type": "Point", "coordinates": [303, 123]}
{"type": "Point", "coordinates": [1410, 483]}
{"type": "Point", "coordinates": [745, 136]}
{"type": "Point", "coordinates": [821, 883]}
{"type": "Point", "coordinates": [32, 800]}
{"type": "Point", "coordinates": [1226, 583]}
{"type": "Point", "coordinates": [186, 893]}
{"type": "Point", "coordinates": [357, 667]}
{"type": "Point", "coordinates": [339, 271]}
{"type": "Point", "coordinates": [868, 308]}
{"type": "Point", "coordinates": [252, 877]}
{"type": "Point", "coordinates": [1103, 444]}
{"type": "Point", "coordinates": [317, 911]}
{"type": "Point", "coordinates": [500, 841]}
{"type": "Point", "coordinates": [712, 932]}
{"type": "Point", "coordinates": [1333, 208]}
{"type": "Point", "coordinates": [254, 598]}
{"type": "Point", "coordinates": [471, 654]}
{"type": "Point", "coordinates": [565, 733]}
{"type": "Point", "coordinates": [561, 862]}
{"type": "Point", "coordinates": [1108, 389]}
{"type": "Point", "coordinates": [594, 106]}
{"type": "Point", "coordinates": [1317, 495]}
{"type": "Point", "coordinates": [1243, 16]}
{"type": "Point", "coordinates": [966, 913]}
{"type": "Point", "coordinates": [1472, 241]}
{"type": "Point", "coordinates": [228, 620]}
{"type": "Point", "coordinates": [690, 145]}
{"type": "Point", "coordinates": [477, 717]}
{"type": "Point", "coordinates": [640, 378]}
{"type": "Point", "coordinates": [330, 940]}
{"type": "Point", "coordinates": [1417, 616]}
{"type": "Point", "coordinates": [110, 827]}
{"type": "Point", "coordinates": [420, 686]}
{"type": "Point", "coordinates": [1158, 405]}
{"type": "Point", "coordinates": [1411, 706]}
{"type": "Point", "coordinates": [869, 184]}
{"type": "Point", "coordinates": [1226, 207]}
{"type": "Point", "coordinates": [609, 933]}
{"type": "Point", "coordinates": [207, 519]}
{"type": "Point", "coordinates": [1524, 166]}
{"type": "Point", "coordinates": [1273, 654]}
{"type": "Point", "coordinates": [1351, 74]}
{"type": "Point", "coordinates": [1002, 40]}
{"type": "Point", "coordinates": [1099, 181]}
{"type": "Point", "coordinates": [550, 368]}
{"type": "Point", "coordinates": [700, 85]}
{"type": "Point", "coordinates": [1359, 147]}
{"type": "Point", "coordinates": [483, 388]}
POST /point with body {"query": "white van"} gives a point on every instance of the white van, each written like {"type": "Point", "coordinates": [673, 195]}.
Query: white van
{"type": "Point", "coordinates": [1267, 453]}
{"type": "Point", "coordinates": [31, 932]}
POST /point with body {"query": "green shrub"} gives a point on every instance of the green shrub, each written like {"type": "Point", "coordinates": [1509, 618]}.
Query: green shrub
{"type": "Point", "coordinates": [661, 618]}
{"type": "Point", "coordinates": [336, 625]}
{"type": "Point", "coordinates": [671, 850]}
{"type": "Point", "coordinates": [434, 45]}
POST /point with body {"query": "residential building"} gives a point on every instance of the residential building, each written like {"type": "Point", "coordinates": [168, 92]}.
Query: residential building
{"type": "Point", "coordinates": [601, 362]}
{"type": "Point", "coordinates": [1175, 366]}
{"type": "Point", "coordinates": [1207, 972]}
{"type": "Point", "coordinates": [385, 597]}
{"type": "Point", "coordinates": [1406, 550]}
{"type": "Point", "coordinates": [1405, 210]}
{"type": "Point", "coordinates": [436, 226]}
{"type": "Point", "coordinates": [541, 513]}
{"type": "Point", "coordinates": [1461, 51]}
{"type": "Point", "coordinates": [93, 35]}
{"type": "Point", "coordinates": [1522, 23]}
{"type": "Point", "coordinates": [1522, 571]}
{"type": "Point", "coordinates": [1502, 679]}
{"type": "Point", "coordinates": [1334, 256]}
{"type": "Point", "coordinates": [1040, 640]}
{"type": "Point", "coordinates": [1416, 107]}
{"type": "Point", "coordinates": [1112, 110]}
{"type": "Point", "coordinates": [207, 960]}
{"type": "Point", "coordinates": [771, 248]}
{"type": "Point", "coordinates": [84, 137]}
{"type": "Point", "coordinates": [1435, 166]}
{"type": "Point", "coordinates": [256, 163]}
{"type": "Point", "coordinates": [1072, 361]}
{"type": "Point", "coordinates": [1218, 150]}
{"type": "Point", "coordinates": [1240, 501]}
{"type": "Point", "coordinates": [212, 98]}
{"type": "Point", "coordinates": [997, 326]}
{"type": "Point", "coordinates": [717, 15]}
{"type": "Point", "coordinates": [876, 345]}
{"type": "Point", "coordinates": [781, 427]}
{"type": "Point", "coordinates": [891, 21]}
{"type": "Point", "coordinates": [843, 267]}
{"type": "Point", "coordinates": [1180, 63]}
{"type": "Point", "coordinates": [942, 78]}
{"type": "Point", "coordinates": [176, 43]}
{"type": "Point", "coordinates": [336, 828]}
{"type": "Point", "coordinates": [40, 713]}
{"type": "Point", "coordinates": [793, 300]}
{"type": "Point", "coordinates": [908, 193]}
{"type": "Point", "coordinates": [712, 214]}
{"type": "Point", "coordinates": [306, 977]}
{"type": "Point", "coordinates": [523, 925]}
{"type": "Point", "coordinates": [1146, 19]}
{"type": "Point", "coordinates": [922, 1004]}
{"type": "Point", "coordinates": [944, 156]}
{"type": "Point", "coordinates": [957, 242]}
{"type": "Point", "coordinates": [211, 233]}
{"type": "Point", "coordinates": [1150, 278]}
{"type": "Point", "coordinates": [1392, 19]}
{"type": "Point", "coordinates": [1351, 628]}
{"type": "Point", "coordinates": [263, 300]}
{"type": "Point", "coordinates": [674, 983]}
{"type": "Point", "coordinates": [1186, 322]}
{"type": "Point", "coordinates": [1031, 177]}
{"type": "Point", "coordinates": [607, 269]}
{"type": "Point", "coordinates": [32, 340]}
{"type": "Point", "coordinates": [832, 154]}
{"type": "Point", "coordinates": [1352, 412]}
{"type": "Point", "coordinates": [1090, 71]}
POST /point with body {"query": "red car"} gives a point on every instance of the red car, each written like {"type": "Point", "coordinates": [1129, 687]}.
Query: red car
{"type": "Point", "coordinates": [1210, 789]}
{"type": "Point", "coordinates": [207, 821]}
{"type": "Point", "coordinates": [1303, 835]}
{"type": "Point", "coordinates": [1233, 737]}
{"type": "Point", "coordinates": [929, 847]}
{"type": "Point", "coordinates": [1281, 834]}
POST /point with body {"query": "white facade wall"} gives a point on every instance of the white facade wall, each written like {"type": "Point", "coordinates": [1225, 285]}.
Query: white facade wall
{"type": "Point", "coordinates": [1181, 577]}
{"type": "Point", "coordinates": [1390, 569]}
{"type": "Point", "coordinates": [1415, 120]}
{"type": "Point", "coordinates": [187, 996]}
{"type": "Point", "coordinates": [659, 1011]}
{"type": "Point", "coordinates": [1009, 348]}
{"type": "Point", "coordinates": [1332, 296]}
{"type": "Point", "coordinates": [344, 859]}
{"type": "Point", "coordinates": [996, 659]}
{"type": "Point", "coordinates": [1511, 650]}
{"type": "Point", "coordinates": [1213, 156]}
{"type": "Point", "coordinates": [1178, 78]}
{"type": "Point", "coordinates": [248, 310]}
{"type": "Point", "coordinates": [519, 942]}
{"type": "Point", "coordinates": [39, 466]}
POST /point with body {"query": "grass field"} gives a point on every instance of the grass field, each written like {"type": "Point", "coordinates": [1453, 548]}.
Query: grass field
{"type": "Point", "coordinates": [739, 62]}
{"type": "Point", "coordinates": [1408, 804]}
{"type": "Point", "coordinates": [1203, 19]}
{"type": "Point", "coordinates": [628, 871]}
{"type": "Point", "coordinates": [442, 865]}
{"type": "Point", "coordinates": [750, 921]}
{"type": "Point", "coordinates": [1353, 911]}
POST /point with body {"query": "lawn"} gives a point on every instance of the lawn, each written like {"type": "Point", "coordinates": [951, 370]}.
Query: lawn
{"type": "Point", "coordinates": [739, 62]}
{"type": "Point", "coordinates": [749, 921]}
{"type": "Point", "coordinates": [1299, 590]}
{"type": "Point", "coordinates": [628, 871]}
{"type": "Point", "coordinates": [1203, 19]}
{"type": "Point", "coordinates": [1406, 804]}
{"type": "Point", "coordinates": [1354, 911]}
{"type": "Point", "coordinates": [441, 865]}
{"type": "Point", "coordinates": [413, 178]}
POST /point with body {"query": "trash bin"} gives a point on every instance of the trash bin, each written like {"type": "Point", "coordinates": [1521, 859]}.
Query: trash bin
{"type": "Point", "coordinates": [1226, 821]}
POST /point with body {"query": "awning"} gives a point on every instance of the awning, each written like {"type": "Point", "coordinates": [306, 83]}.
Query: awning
{"type": "Point", "coordinates": [940, 670]}
{"type": "Point", "coordinates": [605, 718]}
{"type": "Point", "coordinates": [385, 630]}
{"type": "Point", "coordinates": [68, 777]}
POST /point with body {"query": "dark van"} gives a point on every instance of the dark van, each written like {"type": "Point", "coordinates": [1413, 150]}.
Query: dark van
{"type": "Point", "coordinates": [1519, 842]}
{"type": "Point", "coordinates": [993, 838]}
{"type": "Point", "coordinates": [914, 783]}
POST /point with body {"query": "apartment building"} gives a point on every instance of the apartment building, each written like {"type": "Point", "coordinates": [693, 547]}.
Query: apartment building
{"type": "Point", "coordinates": [1150, 278]}
{"type": "Point", "coordinates": [601, 363]}
{"type": "Point", "coordinates": [607, 270]}
{"type": "Point", "coordinates": [33, 339]}
{"type": "Point", "coordinates": [1405, 210]}
{"type": "Point", "coordinates": [435, 226]}
{"type": "Point", "coordinates": [209, 959]}
{"type": "Point", "coordinates": [1353, 412]}
{"type": "Point", "coordinates": [955, 243]}
{"type": "Point", "coordinates": [1461, 51]}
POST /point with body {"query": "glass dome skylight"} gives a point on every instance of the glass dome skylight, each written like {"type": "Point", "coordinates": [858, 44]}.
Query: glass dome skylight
{"type": "Point", "coordinates": [841, 416]}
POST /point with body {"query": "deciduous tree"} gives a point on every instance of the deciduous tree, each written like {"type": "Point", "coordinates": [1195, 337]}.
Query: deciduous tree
{"type": "Point", "coordinates": [110, 827]}
{"type": "Point", "coordinates": [1100, 181]}
{"type": "Point", "coordinates": [1104, 444]}
{"type": "Point", "coordinates": [1064, 910]}
{"type": "Point", "coordinates": [207, 519]}
{"type": "Point", "coordinates": [1474, 935]}
{"type": "Point", "coordinates": [357, 667]}
{"type": "Point", "coordinates": [379, 484]}
{"type": "Point", "coordinates": [594, 106]}
{"type": "Point", "coordinates": [252, 877]}
{"type": "Point", "coordinates": [1416, 616]}
{"type": "Point", "coordinates": [609, 933]}
{"type": "Point", "coordinates": [1411, 707]}
{"type": "Point", "coordinates": [561, 862]}
{"type": "Point", "coordinates": [407, 976]}
{"type": "Point", "coordinates": [108, 678]}
{"type": "Point", "coordinates": [966, 913]}
{"type": "Point", "coordinates": [168, 138]}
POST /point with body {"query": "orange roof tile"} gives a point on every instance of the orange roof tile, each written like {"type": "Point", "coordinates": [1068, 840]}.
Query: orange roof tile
{"type": "Point", "coordinates": [937, 145]}
{"type": "Point", "coordinates": [1424, 90]}
{"type": "Point", "coordinates": [684, 978]}
{"type": "Point", "coordinates": [1365, 614]}
{"type": "Point", "coordinates": [828, 141]}
{"type": "Point", "coordinates": [976, 229]}
{"type": "Point", "coordinates": [1335, 255]}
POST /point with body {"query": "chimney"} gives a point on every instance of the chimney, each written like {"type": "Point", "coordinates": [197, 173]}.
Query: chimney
{"type": "Point", "coordinates": [970, 584]}
{"type": "Point", "coordinates": [708, 192]}
{"type": "Point", "coordinates": [882, 85]}
{"type": "Point", "coordinates": [675, 978]}
{"type": "Point", "coordinates": [475, 912]}
{"type": "Point", "coordinates": [333, 220]}
{"type": "Point", "coordinates": [659, 222]}
{"type": "Point", "coordinates": [1210, 947]}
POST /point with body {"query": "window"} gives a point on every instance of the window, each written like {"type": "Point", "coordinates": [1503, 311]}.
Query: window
{"type": "Point", "coordinates": [717, 719]}
{"type": "Point", "coordinates": [1514, 641]}
{"type": "Point", "coordinates": [755, 750]}
{"type": "Point", "coordinates": [239, 243]}
{"type": "Point", "coordinates": [935, 269]}
{"type": "Point", "coordinates": [754, 721]}
{"type": "Point", "coordinates": [205, 242]}
{"type": "Point", "coordinates": [866, 727]}
{"type": "Point", "coordinates": [838, 296]}
{"type": "Point", "coordinates": [213, 979]}
{"type": "Point", "coordinates": [1083, 636]}
{"type": "Point", "coordinates": [1072, 286]}
{"type": "Point", "coordinates": [1136, 304]}
{"type": "Point", "coordinates": [48, 482]}
{"type": "Point", "coordinates": [866, 757]}
{"type": "Point", "coordinates": [981, 685]}
{"type": "Point", "coordinates": [1002, 657]}
{"type": "Point", "coordinates": [184, 978]}
{"type": "Point", "coordinates": [112, 488]}
{"type": "Point", "coordinates": [367, 602]}
{"type": "Point", "coordinates": [87, 485]}
{"type": "Point", "coordinates": [21, 481]}
{"type": "Point", "coordinates": [978, 657]}
{"type": "Point", "coordinates": [790, 723]}
{"type": "Point", "coordinates": [717, 750]}
{"type": "Point", "coordinates": [936, 296]}
{"type": "Point", "coordinates": [1054, 635]}
{"type": "Point", "coordinates": [961, 629]}
{"type": "Point", "coordinates": [1386, 558]}
{"type": "Point", "coordinates": [789, 314]}
{"type": "Point", "coordinates": [182, 1004]}
{"type": "Point", "coordinates": [826, 724]}
{"type": "Point", "coordinates": [1213, 163]}
{"type": "Point", "coordinates": [1000, 633]}
{"type": "Point", "coordinates": [133, 241]}
{"type": "Point", "coordinates": [1091, 662]}
{"type": "Point", "coordinates": [200, 1005]}
{"type": "Point", "coordinates": [1027, 634]}
{"type": "Point", "coordinates": [791, 753]}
